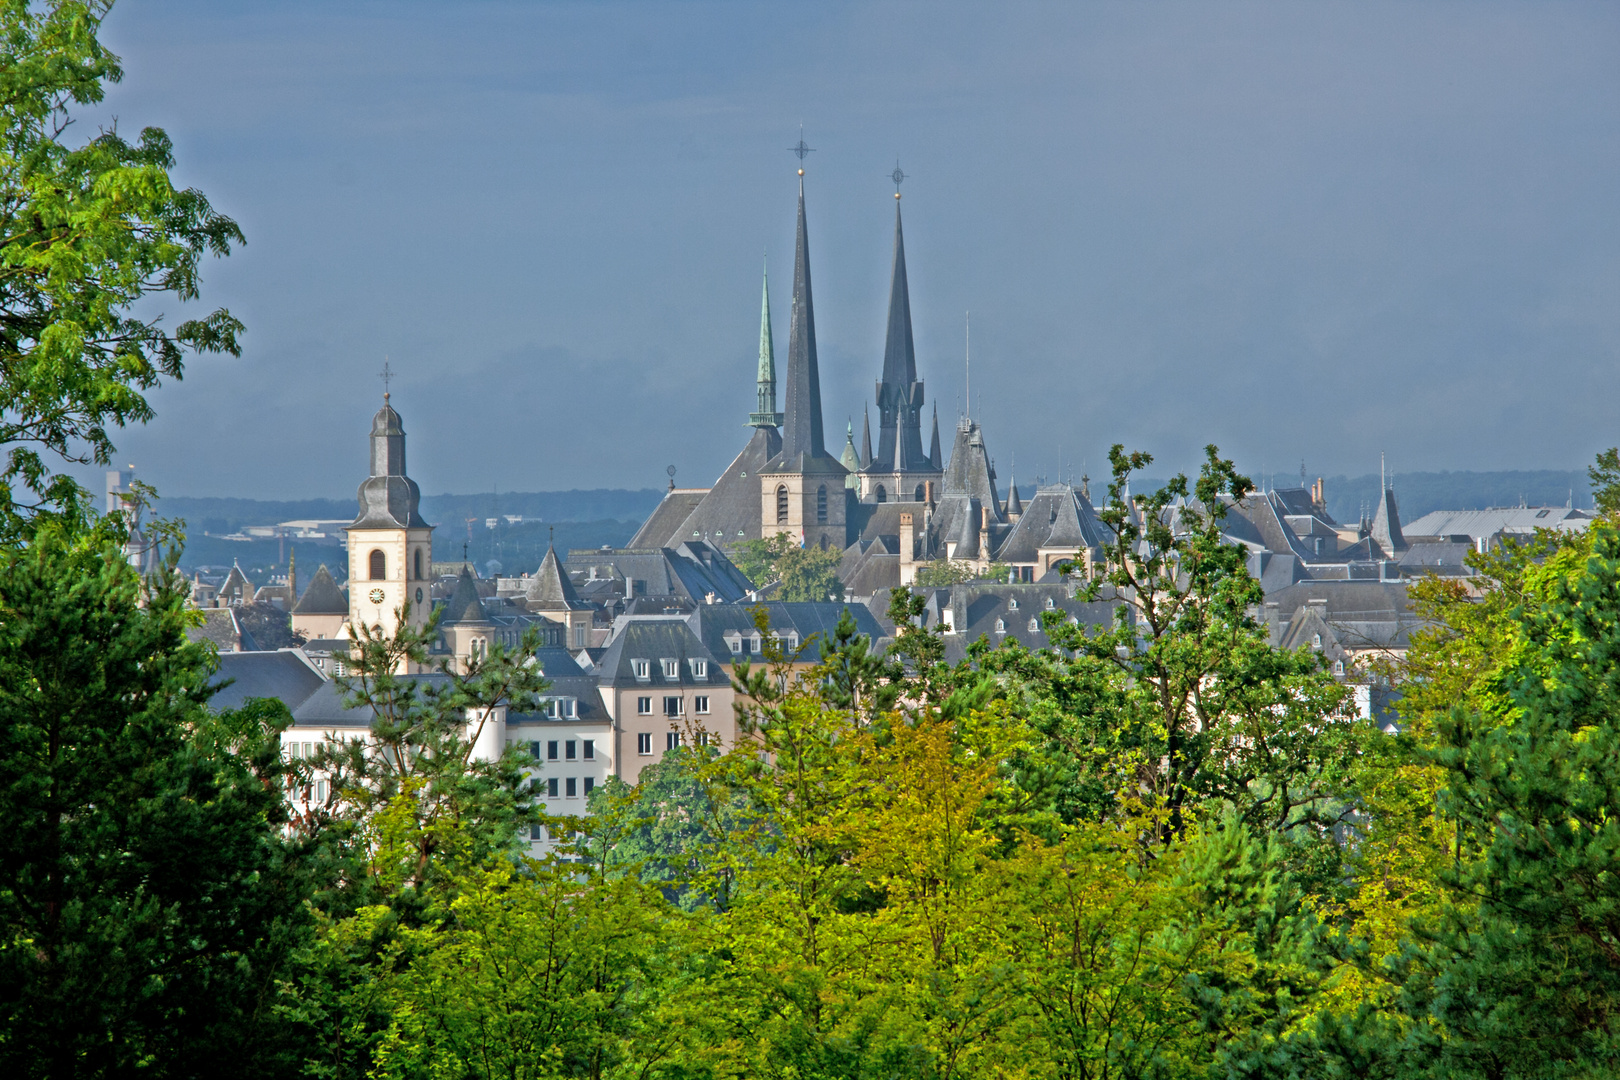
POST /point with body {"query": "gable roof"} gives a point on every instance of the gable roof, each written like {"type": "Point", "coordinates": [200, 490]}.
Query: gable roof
{"type": "Point", "coordinates": [284, 674]}
{"type": "Point", "coordinates": [549, 588]}
{"type": "Point", "coordinates": [465, 606]}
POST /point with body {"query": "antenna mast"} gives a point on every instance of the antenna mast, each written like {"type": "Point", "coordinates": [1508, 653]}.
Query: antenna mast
{"type": "Point", "coordinates": [967, 323]}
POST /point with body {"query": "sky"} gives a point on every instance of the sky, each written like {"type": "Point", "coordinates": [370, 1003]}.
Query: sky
{"type": "Point", "coordinates": [1308, 233]}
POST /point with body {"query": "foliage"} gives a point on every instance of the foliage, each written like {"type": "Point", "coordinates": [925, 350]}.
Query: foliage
{"type": "Point", "coordinates": [757, 558]}
{"type": "Point", "coordinates": [86, 232]}
{"type": "Point", "coordinates": [148, 895]}
{"type": "Point", "coordinates": [1190, 703]}
{"type": "Point", "coordinates": [1605, 477]}
{"type": "Point", "coordinates": [803, 573]}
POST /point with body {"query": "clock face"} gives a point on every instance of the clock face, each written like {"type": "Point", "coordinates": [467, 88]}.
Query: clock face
{"type": "Point", "coordinates": [378, 596]}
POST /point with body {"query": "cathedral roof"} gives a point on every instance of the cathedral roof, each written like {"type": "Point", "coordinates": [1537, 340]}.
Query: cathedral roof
{"type": "Point", "coordinates": [388, 497]}
{"type": "Point", "coordinates": [801, 426]}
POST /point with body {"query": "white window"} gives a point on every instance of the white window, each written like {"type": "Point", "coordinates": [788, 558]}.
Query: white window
{"type": "Point", "coordinates": [1316, 641]}
{"type": "Point", "coordinates": [588, 750]}
{"type": "Point", "coordinates": [1034, 625]}
{"type": "Point", "coordinates": [672, 669]}
{"type": "Point", "coordinates": [674, 706]}
{"type": "Point", "coordinates": [735, 641]}
{"type": "Point", "coordinates": [570, 748]}
{"type": "Point", "coordinates": [700, 703]}
{"type": "Point", "coordinates": [644, 706]}
{"type": "Point", "coordinates": [567, 707]}
{"type": "Point", "coordinates": [642, 669]}
{"type": "Point", "coordinates": [551, 750]}
{"type": "Point", "coordinates": [1049, 604]}
{"type": "Point", "coordinates": [571, 787]}
{"type": "Point", "coordinates": [753, 644]}
{"type": "Point", "coordinates": [672, 739]}
{"type": "Point", "coordinates": [644, 743]}
{"type": "Point", "coordinates": [1001, 626]}
{"type": "Point", "coordinates": [700, 669]}
{"type": "Point", "coordinates": [1012, 605]}
{"type": "Point", "coordinates": [551, 788]}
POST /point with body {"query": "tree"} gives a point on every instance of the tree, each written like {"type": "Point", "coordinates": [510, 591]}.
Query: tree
{"type": "Point", "coordinates": [150, 898]}
{"type": "Point", "coordinates": [810, 574]}
{"type": "Point", "coordinates": [942, 572]}
{"type": "Point", "coordinates": [757, 559]}
{"type": "Point", "coordinates": [1193, 703]}
{"type": "Point", "coordinates": [86, 232]}
{"type": "Point", "coordinates": [1605, 477]}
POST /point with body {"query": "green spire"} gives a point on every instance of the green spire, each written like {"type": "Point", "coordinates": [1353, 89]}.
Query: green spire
{"type": "Point", "coordinates": [850, 459]}
{"type": "Point", "coordinates": [766, 414]}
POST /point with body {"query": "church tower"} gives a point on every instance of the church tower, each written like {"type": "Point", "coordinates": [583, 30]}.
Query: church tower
{"type": "Point", "coordinates": [390, 546]}
{"type": "Point", "coordinates": [900, 470]}
{"type": "Point", "coordinates": [802, 487]}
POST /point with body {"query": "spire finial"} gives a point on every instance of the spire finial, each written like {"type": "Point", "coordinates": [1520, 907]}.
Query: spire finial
{"type": "Point", "coordinates": [385, 375]}
{"type": "Point", "coordinates": [802, 149]}
{"type": "Point", "coordinates": [898, 177]}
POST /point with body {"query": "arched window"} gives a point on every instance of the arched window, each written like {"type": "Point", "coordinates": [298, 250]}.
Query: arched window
{"type": "Point", "coordinates": [918, 494]}
{"type": "Point", "coordinates": [821, 505]}
{"type": "Point", "coordinates": [379, 565]}
{"type": "Point", "coordinates": [882, 496]}
{"type": "Point", "coordinates": [418, 564]}
{"type": "Point", "coordinates": [781, 504]}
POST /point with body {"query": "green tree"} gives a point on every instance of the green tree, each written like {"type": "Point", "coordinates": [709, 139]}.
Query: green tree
{"type": "Point", "coordinates": [86, 232]}
{"type": "Point", "coordinates": [149, 896]}
{"type": "Point", "coordinates": [942, 572]}
{"type": "Point", "coordinates": [1193, 703]}
{"type": "Point", "coordinates": [757, 559]}
{"type": "Point", "coordinates": [810, 573]}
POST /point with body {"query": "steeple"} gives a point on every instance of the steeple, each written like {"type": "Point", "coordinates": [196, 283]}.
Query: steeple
{"type": "Point", "coordinates": [388, 498]}
{"type": "Point", "coordinates": [801, 429]}
{"type": "Point", "coordinates": [866, 438]}
{"type": "Point", "coordinates": [933, 449]}
{"type": "Point", "coordinates": [899, 395]}
{"type": "Point", "coordinates": [849, 459]}
{"type": "Point", "coordinates": [765, 414]}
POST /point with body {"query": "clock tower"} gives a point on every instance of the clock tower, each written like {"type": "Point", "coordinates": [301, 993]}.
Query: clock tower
{"type": "Point", "coordinates": [390, 546]}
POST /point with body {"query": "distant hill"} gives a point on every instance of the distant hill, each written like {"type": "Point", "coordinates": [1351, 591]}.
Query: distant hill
{"type": "Point", "coordinates": [220, 516]}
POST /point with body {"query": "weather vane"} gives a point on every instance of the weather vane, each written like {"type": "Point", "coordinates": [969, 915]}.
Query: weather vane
{"type": "Point", "coordinates": [803, 149]}
{"type": "Point", "coordinates": [385, 374]}
{"type": "Point", "coordinates": [898, 177]}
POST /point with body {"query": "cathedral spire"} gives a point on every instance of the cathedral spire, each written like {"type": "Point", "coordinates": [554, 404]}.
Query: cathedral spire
{"type": "Point", "coordinates": [801, 430]}
{"type": "Point", "coordinates": [765, 414]}
{"type": "Point", "coordinates": [899, 395]}
{"type": "Point", "coordinates": [866, 438]}
{"type": "Point", "coordinates": [933, 449]}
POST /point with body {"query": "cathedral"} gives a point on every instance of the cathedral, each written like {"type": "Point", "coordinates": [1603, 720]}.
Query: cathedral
{"type": "Point", "coordinates": [888, 509]}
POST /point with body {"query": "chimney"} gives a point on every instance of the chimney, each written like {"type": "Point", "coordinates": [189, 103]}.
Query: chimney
{"type": "Point", "coordinates": [984, 533]}
{"type": "Point", "coordinates": [928, 492]}
{"type": "Point", "coordinates": [908, 558]}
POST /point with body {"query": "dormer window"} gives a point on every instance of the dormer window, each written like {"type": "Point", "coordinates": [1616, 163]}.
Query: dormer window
{"type": "Point", "coordinates": [1012, 605]}
{"type": "Point", "coordinates": [1316, 641]}
{"type": "Point", "coordinates": [700, 669]}
{"type": "Point", "coordinates": [734, 642]}
{"type": "Point", "coordinates": [672, 668]}
{"type": "Point", "coordinates": [754, 644]}
{"type": "Point", "coordinates": [793, 640]}
{"type": "Point", "coordinates": [1001, 626]}
{"type": "Point", "coordinates": [1049, 604]}
{"type": "Point", "coordinates": [1034, 625]}
{"type": "Point", "coordinates": [642, 668]}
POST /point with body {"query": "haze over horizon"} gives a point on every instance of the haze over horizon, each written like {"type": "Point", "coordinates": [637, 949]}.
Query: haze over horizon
{"type": "Point", "coordinates": [1300, 232]}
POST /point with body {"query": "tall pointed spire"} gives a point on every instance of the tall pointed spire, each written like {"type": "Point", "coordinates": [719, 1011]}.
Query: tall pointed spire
{"type": "Point", "coordinates": [866, 437]}
{"type": "Point", "coordinates": [899, 395]}
{"type": "Point", "coordinates": [933, 449]}
{"type": "Point", "coordinates": [765, 414]}
{"type": "Point", "coordinates": [801, 429]}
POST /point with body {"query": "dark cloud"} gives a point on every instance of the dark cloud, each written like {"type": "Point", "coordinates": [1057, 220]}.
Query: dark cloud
{"type": "Point", "coordinates": [1301, 231]}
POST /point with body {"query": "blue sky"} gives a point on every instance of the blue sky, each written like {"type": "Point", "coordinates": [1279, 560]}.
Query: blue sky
{"type": "Point", "coordinates": [1301, 231]}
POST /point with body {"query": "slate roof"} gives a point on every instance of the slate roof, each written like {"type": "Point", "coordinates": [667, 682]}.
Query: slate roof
{"type": "Point", "coordinates": [1001, 613]}
{"type": "Point", "coordinates": [465, 606]}
{"type": "Point", "coordinates": [223, 630]}
{"type": "Point", "coordinates": [283, 674]}
{"type": "Point", "coordinates": [868, 566]}
{"type": "Point", "coordinates": [666, 519]}
{"type": "Point", "coordinates": [388, 498]}
{"type": "Point", "coordinates": [690, 570]}
{"type": "Point", "coordinates": [1485, 524]}
{"type": "Point", "coordinates": [549, 588]}
{"type": "Point", "coordinates": [655, 638]}
{"type": "Point", "coordinates": [970, 472]}
{"type": "Point", "coordinates": [1386, 526]}
{"type": "Point", "coordinates": [713, 622]}
{"type": "Point", "coordinates": [1057, 516]}
{"type": "Point", "coordinates": [1362, 614]}
{"type": "Point", "coordinates": [322, 596]}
